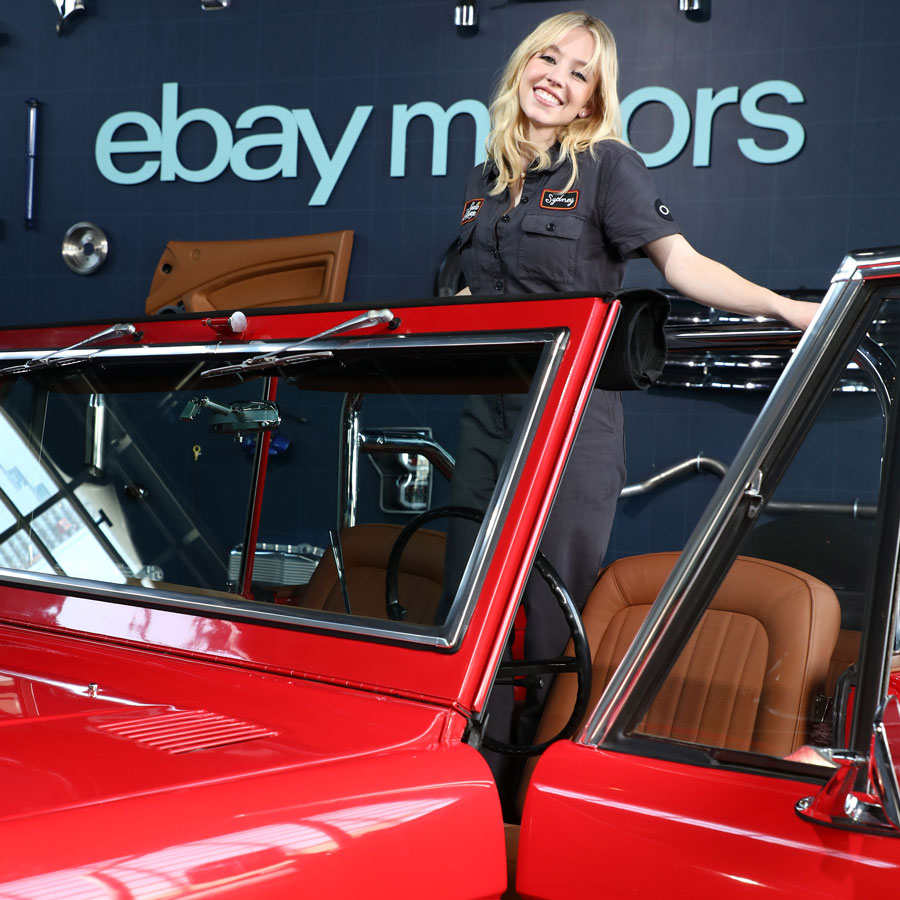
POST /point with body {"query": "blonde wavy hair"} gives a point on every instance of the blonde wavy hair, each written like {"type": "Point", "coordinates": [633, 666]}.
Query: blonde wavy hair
{"type": "Point", "coordinates": [506, 143]}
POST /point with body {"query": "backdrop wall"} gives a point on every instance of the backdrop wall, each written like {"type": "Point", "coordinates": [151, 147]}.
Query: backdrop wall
{"type": "Point", "coordinates": [349, 63]}
{"type": "Point", "coordinates": [772, 132]}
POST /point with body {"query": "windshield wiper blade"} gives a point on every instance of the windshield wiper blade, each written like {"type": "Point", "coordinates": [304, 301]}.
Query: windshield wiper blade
{"type": "Point", "coordinates": [254, 363]}
{"type": "Point", "coordinates": [59, 358]}
{"type": "Point", "coordinates": [287, 356]}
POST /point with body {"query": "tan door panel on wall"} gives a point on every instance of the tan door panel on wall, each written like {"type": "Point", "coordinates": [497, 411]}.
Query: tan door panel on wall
{"type": "Point", "coordinates": [286, 271]}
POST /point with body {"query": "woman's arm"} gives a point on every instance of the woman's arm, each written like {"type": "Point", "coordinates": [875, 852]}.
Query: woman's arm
{"type": "Point", "coordinates": [708, 282]}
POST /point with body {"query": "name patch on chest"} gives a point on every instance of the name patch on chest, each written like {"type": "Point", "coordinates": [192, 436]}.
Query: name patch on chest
{"type": "Point", "coordinates": [471, 208]}
{"type": "Point", "coordinates": [559, 199]}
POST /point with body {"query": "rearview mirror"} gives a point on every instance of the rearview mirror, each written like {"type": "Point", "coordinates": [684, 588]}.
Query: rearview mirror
{"type": "Point", "coordinates": [248, 417]}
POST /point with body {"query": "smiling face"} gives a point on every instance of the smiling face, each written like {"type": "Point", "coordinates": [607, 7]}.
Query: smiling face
{"type": "Point", "coordinates": [556, 86]}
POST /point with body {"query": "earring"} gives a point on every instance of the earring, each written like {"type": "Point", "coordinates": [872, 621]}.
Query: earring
{"type": "Point", "coordinates": [582, 114]}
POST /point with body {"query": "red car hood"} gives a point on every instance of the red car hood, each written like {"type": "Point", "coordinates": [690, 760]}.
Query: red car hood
{"type": "Point", "coordinates": [146, 723]}
{"type": "Point", "coordinates": [162, 777]}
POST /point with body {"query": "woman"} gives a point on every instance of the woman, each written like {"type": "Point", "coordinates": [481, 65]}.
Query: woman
{"type": "Point", "coordinates": [561, 204]}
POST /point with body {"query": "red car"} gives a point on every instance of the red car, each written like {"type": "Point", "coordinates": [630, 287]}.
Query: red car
{"type": "Point", "coordinates": [232, 663]}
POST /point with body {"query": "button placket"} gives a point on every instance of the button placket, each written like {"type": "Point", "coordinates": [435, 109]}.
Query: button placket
{"type": "Point", "coordinates": [499, 285]}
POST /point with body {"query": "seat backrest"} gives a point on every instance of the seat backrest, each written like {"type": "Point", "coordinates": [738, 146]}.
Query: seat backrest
{"type": "Point", "coordinates": [203, 276]}
{"type": "Point", "coordinates": [365, 550]}
{"type": "Point", "coordinates": [747, 678]}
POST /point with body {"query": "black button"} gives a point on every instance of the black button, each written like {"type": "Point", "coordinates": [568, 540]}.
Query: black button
{"type": "Point", "coordinates": [504, 217]}
{"type": "Point", "coordinates": [524, 199]}
{"type": "Point", "coordinates": [498, 286]}
{"type": "Point", "coordinates": [551, 226]}
{"type": "Point", "coordinates": [494, 252]}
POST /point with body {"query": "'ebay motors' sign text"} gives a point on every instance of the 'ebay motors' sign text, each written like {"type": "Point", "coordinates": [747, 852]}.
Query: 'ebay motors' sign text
{"type": "Point", "coordinates": [160, 138]}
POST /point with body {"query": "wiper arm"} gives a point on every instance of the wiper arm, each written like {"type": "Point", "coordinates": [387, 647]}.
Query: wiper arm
{"type": "Point", "coordinates": [60, 358]}
{"type": "Point", "coordinates": [287, 356]}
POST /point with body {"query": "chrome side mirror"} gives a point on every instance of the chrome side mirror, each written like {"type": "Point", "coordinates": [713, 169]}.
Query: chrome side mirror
{"type": "Point", "coordinates": [863, 794]}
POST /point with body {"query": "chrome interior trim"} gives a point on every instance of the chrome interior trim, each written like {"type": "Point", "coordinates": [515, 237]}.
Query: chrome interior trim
{"type": "Point", "coordinates": [699, 463]}
{"type": "Point", "coordinates": [379, 442]}
{"type": "Point", "coordinates": [877, 363]}
{"type": "Point", "coordinates": [837, 307]}
{"type": "Point", "coordinates": [348, 460]}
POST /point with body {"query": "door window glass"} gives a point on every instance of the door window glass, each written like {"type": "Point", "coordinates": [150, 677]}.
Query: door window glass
{"type": "Point", "coordinates": [761, 671]}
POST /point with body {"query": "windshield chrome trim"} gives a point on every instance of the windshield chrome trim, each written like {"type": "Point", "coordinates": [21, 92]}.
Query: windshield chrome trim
{"type": "Point", "coordinates": [199, 604]}
{"type": "Point", "coordinates": [838, 306]}
{"type": "Point", "coordinates": [145, 353]}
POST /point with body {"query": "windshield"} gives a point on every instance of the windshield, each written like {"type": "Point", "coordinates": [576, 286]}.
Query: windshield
{"type": "Point", "coordinates": [280, 492]}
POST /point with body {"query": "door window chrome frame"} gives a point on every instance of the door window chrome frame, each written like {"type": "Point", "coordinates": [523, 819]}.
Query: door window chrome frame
{"type": "Point", "coordinates": [838, 330]}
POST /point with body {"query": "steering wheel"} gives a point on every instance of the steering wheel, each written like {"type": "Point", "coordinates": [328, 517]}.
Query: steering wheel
{"type": "Point", "coordinates": [509, 672]}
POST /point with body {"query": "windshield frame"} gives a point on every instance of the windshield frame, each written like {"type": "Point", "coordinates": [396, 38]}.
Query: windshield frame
{"type": "Point", "coordinates": [447, 637]}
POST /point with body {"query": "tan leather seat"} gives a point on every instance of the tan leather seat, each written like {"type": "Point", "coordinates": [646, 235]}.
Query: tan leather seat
{"type": "Point", "coordinates": [748, 677]}
{"type": "Point", "coordinates": [365, 549]}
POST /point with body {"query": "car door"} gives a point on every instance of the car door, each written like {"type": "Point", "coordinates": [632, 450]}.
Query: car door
{"type": "Point", "coordinates": [730, 750]}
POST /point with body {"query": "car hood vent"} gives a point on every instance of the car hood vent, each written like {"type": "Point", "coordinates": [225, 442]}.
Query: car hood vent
{"type": "Point", "coordinates": [184, 731]}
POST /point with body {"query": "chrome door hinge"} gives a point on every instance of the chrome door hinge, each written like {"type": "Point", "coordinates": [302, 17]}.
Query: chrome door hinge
{"type": "Point", "coordinates": [753, 492]}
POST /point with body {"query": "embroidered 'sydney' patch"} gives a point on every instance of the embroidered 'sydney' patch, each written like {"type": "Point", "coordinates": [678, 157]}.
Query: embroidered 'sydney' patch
{"type": "Point", "coordinates": [559, 199]}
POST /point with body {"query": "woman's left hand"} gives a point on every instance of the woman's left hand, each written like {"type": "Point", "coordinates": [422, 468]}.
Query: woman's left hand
{"type": "Point", "coordinates": [798, 313]}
